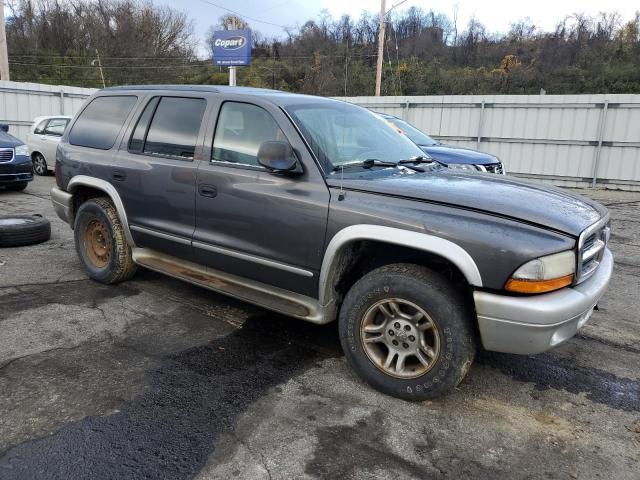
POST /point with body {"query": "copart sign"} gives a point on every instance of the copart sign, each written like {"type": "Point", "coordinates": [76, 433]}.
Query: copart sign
{"type": "Point", "coordinates": [232, 48]}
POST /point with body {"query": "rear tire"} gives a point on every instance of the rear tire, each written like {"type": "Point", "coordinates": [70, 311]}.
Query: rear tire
{"type": "Point", "coordinates": [407, 331]}
{"type": "Point", "coordinates": [39, 165]}
{"type": "Point", "coordinates": [101, 243]}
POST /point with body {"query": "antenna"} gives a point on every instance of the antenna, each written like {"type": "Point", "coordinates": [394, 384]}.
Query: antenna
{"type": "Point", "coordinates": [341, 195]}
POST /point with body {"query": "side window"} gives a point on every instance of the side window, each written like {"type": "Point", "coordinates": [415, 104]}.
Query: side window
{"type": "Point", "coordinates": [39, 130]}
{"type": "Point", "coordinates": [240, 131]}
{"type": "Point", "coordinates": [136, 143]}
{"type": "Point", "coordinates": [175, 127]}
{"type": "Point", "coordinates": [99, 124]}
{"type": "Point", "coordinates": [56, 127]}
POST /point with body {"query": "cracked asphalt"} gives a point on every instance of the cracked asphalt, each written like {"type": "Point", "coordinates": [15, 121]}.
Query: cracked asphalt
{"type": "Point", "coordinates": [155, 378]}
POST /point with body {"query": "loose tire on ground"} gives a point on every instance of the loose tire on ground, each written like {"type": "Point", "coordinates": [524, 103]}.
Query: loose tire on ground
{"type": "Point", "coordinates": [20, 230]}
{"type": "Point", "coordinates": [426, 318]}
{"type": "Point", "coordinates": [101, 243]}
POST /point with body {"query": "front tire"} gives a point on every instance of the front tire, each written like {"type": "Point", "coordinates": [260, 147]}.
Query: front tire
{"type": "Point", "coordinates": [101, 243]}
{"type": "Point", "coordinates": [407, 332]}
{"type": "Point", "coordinates": [39, 165]}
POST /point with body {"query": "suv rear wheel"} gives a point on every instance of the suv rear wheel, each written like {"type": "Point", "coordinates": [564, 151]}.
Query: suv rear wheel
{"type": "Point", "coordinates": [407, 332]}
{"type": "Point", "coordinates": [101, 243]}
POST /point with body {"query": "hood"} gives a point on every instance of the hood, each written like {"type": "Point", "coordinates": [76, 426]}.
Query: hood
{"type": "Point", "coordinates": [7, 140]}
{"type": "Point", "coordinates": [453, 154]}
{"type": "Point", "coordinates": [528, 201]}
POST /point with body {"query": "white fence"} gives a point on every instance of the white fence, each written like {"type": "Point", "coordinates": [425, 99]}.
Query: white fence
{"type": "Point", "coordinates": [571, 140]}
{"type": "Point", "coordinates": [21, 102]}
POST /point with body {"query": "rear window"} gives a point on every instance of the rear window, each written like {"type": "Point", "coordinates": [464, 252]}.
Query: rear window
{"type": "Point", "coordinates": [99, 124]}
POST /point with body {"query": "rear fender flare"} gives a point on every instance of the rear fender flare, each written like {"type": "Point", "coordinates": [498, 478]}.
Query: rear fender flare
{"type": "Point", "coordinates": [112, 193]}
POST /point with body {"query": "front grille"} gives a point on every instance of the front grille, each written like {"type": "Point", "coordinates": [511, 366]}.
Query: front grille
{"type": "Point", "coordinates": [6, 155]}
{"type": "Point", "coordinates": [591, 247]}
{"type": "Point", "coordinates": [494, 168]}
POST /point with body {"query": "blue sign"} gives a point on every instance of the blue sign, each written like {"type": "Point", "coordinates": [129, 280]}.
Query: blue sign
{"type": "Point", "coordinates": [232, 48]}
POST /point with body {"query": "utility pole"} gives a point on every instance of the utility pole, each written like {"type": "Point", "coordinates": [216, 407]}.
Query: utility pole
{"type": "Point", "coordinates": [4, 55]}
{"type": "Point", "coordinates": [380, 47]}
{"type": "Point", "coordinates": [383, 14]}
{"type": "Point", "coordinates": [232, 69]}
{"type": "Point", "coordinates": [100, 67]}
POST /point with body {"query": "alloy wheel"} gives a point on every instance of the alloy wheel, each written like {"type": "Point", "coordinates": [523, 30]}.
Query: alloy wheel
{"type": "Point", "coordinates": [39, 165]}
{"type": "Point", "coordinates": [400, 338]}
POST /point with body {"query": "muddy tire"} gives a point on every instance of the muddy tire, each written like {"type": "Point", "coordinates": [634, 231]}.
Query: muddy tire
{"type": "Point", "coordinates": [20, 230]}
{"type": "Point", "coordinates": [407, 332]}
{"type": "Point", "coordinates": [101, 243]}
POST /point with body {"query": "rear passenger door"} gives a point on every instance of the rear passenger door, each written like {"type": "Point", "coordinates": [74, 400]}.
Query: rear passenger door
{"type": "Point", "coordinates": [249, 222]}
{"type": "Point", "coordinates": [156, 174]}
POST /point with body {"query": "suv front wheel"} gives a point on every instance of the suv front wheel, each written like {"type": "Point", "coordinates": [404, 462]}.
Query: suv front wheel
{"type": "Point", "coordinates": [407, 332]}
{"type": "Point", "coordinates": [101, 242]}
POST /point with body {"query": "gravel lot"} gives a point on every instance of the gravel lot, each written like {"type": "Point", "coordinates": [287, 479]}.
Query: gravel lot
{"type": "Point", "coordinates": [155, 378]}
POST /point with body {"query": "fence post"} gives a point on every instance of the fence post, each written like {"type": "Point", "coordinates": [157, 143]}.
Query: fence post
{"type": "Point", "coordinates": [406, 110]}
{"type": "Point", "coordinates": [596, 160]}
{"type": "Point", "coordinates": [480, 124]}
{"type": "Point", "coordinates": [61, 102]}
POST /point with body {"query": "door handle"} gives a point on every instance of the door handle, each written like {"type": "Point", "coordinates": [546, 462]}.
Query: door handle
{"type": "Point", "coordinates": [207, 190]}
{"type": "Point", "coordinates": [118, 175]}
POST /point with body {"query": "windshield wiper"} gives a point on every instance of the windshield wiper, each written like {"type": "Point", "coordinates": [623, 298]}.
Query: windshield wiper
{"type": "Point", "coordinates": [368, 163]}
{"type": "Point", "coordinates": [374, 162]}
{"type": "Point", "coordinates": [420, 159]}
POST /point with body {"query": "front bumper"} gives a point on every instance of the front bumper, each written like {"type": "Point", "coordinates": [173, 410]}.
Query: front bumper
{"type": "Point", "coordinates": [18, 170]}
{"type": "Point", "coordinates": [11, 178]}
{"type": "Point", "coordinates": [62, 203]}
{"type": "Point", "coordinates": [534, 324]}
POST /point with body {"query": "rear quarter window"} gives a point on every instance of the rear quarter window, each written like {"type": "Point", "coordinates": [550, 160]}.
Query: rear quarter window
{"type": "Point", "coordinates": [100, 122]}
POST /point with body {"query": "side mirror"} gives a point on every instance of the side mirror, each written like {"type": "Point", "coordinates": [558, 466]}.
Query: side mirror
{"type": "Point", "coordinates": [4, 127]}
{"type": "Point", "coordinates": [278, 157]}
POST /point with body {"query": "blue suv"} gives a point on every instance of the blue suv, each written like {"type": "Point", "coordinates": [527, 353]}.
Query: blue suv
{"type": "Point", "coordinates": [452, 156]}
{"type": "Point", "coordinates": [16, 168]}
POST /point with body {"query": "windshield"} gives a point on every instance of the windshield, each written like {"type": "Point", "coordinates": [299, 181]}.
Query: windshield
{"type": "Point", "coordinates": [416, 136]}
{"type": "Point", "coordinates": [341, 133]}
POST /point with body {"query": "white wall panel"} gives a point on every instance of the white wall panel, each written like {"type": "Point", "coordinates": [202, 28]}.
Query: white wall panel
{"type": "Point", "coordinates": [21, 102]}
{"type": "Point", "coordinates": [546, 136]}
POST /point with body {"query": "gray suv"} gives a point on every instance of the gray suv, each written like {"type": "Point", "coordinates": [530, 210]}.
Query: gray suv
{"type": "Point", "coordinates": [321, 210]}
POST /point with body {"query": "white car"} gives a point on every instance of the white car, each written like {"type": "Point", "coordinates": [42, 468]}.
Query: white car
{"type": "Point", "coordinates": [42, 140]}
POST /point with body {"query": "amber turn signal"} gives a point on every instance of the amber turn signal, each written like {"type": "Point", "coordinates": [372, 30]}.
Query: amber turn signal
{"type": "Point", "coordinates": [538, 286]}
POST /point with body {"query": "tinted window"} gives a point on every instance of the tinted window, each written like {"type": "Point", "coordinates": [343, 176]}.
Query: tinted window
{"type": "Point", "coordinates": [99, 124]}
{"type": "Point", "coordinates": [56, 127]}
{"type": "Point", "coordinates": [240, 130]}
{"type": "Point", "coordinates": [175, 127]}
{"type": "Point", "coordinates": [137, 138]}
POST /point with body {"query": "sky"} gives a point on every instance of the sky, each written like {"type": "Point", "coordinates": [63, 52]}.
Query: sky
{"type": "Point", "coordinates": [496, 15]}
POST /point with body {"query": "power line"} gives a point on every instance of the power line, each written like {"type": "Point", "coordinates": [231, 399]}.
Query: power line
{"type": "Point", "coordinates": [242, 15]}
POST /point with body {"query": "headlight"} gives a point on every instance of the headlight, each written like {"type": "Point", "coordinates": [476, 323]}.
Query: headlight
{"type": "Point", "coordinates": [544, 274]}
{"type": "Point", "coordinates": [463, 166]}
{"type": "Point", "coordinates": [22, 150]}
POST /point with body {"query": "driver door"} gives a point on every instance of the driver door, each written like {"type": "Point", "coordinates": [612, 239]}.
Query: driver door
{"type": "Point", "coordinates": [252, 223]}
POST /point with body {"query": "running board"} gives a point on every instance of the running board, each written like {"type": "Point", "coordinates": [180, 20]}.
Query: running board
{"type": "Point", "coordinates": [266, 296]}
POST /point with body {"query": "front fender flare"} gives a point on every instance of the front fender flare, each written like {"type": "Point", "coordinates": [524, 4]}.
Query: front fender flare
{"type": "Point", "coordinates": [420, 241]}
